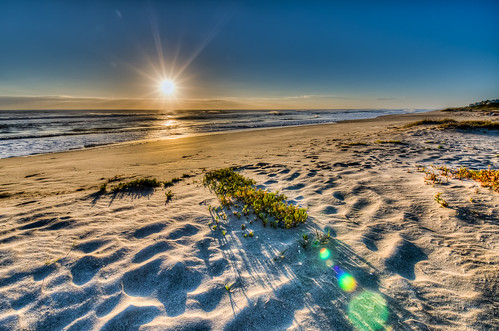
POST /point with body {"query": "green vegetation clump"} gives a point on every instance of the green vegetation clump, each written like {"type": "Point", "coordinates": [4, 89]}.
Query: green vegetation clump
{"type": "Point", "coordinates": [168, 195]}
{"type": "Point", "coordinates": [470, 125]}
{"type": "Point", "coordinates": [441, 201]}
{"type": "Point", "coordinates": [448, 123]}
{"type": "Point", "coordinates": [103, 188]}
{"type": "Point", "coordinates": [169, 183]}
{"type": "Point", "coordinates": [270, 207]}
{"type": "Point", "coordinates": [482, 107]}
{"type": "Point", "coordinates": [428, 121]}
{"type": "Point", "coordinates": [389, 142]}
{"type": "Point", "coordinates": [137, 184]}
{"type": "Point", "coordinates": [486, 177]}
{"type": "Point", "coordinates": [356, 143]}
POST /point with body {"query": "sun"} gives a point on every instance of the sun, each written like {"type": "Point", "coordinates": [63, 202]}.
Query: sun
{"type": "Point", "coordinates": [167, 87]}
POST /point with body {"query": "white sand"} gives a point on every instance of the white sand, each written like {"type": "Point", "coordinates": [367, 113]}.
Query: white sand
{"type": "Point", "coordinates": [73, 260]}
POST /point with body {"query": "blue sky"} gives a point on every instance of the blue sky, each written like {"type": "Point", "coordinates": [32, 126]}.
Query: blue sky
{"type": "Point", "coordinates": [248, 54]}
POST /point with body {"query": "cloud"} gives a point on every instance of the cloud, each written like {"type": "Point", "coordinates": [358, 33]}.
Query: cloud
{"type": "Point", "coordinates": [310, 101]}
{"type": "Point", "coordinates": [70, 102]}
{"type": "Point", "coordinates": [385, 99]}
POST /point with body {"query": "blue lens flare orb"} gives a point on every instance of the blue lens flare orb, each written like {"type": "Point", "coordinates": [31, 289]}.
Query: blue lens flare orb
{"type": "Point", "coordinates": [368, 311]}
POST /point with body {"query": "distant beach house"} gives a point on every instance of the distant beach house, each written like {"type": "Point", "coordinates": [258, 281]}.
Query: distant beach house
{"type": "Point", "coordinates": [486, 102]}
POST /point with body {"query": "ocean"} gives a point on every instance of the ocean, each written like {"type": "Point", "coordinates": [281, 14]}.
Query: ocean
{"type": "Point", "coordinates": [28, 132]}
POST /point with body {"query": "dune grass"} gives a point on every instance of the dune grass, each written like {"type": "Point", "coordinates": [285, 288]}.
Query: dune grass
{"type": "Point", "coordinates": [428, 121]}
{"type": "Point", "coordinates": [470, 125]}
{"type": "Point", "coordinates": [137, 184]}
{"type": "Point", "coordinates": [448, 123]}
{"type": "Point", "coordinates": [270, 207]}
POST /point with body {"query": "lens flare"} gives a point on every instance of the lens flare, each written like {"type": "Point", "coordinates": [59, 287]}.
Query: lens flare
{"type": "Point", "coordinates": [347, 282]}
{"type": "Point", "coordinates": [324, 253]}
{"type": "Point", "coordinates": [368, 311]}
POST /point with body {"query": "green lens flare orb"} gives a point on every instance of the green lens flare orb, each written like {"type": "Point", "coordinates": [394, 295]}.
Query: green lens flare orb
{"type": "Point", "coordinates": [368, 311]}
{"type": "Point", "coordinates": [347, 282]}
{"type": "Point", "coordinates": [325, 253]}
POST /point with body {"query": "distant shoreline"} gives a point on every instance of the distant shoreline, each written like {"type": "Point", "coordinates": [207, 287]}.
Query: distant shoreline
{"type": "Point", "coordinates": [122, 134]}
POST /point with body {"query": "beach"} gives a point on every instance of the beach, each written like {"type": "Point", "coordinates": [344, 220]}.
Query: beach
{"type": "Point", "coordinates": [76, 259]}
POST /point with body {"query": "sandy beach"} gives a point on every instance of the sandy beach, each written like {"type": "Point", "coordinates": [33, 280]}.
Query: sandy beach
{"type": "Point", "coordinates": [74, 259]}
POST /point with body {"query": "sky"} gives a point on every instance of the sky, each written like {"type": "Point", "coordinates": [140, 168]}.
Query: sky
{"type": "Point", "coordinates": [247, 54]}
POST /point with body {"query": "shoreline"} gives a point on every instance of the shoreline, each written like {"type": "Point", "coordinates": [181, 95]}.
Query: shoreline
{"type": "Point", "coordinates": [201, 134]}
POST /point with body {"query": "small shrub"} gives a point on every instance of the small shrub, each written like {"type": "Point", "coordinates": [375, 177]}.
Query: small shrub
{"type": "Point", "coordinates": [486, 177]}
{"type": "Point", "coordinates": [389, 142]}
{"type": "Point", "coordinates": [438, 198]}
{"type": "Point", "coordinates": [103, 188]}
{"type": "Point", "coordinates": [137, 184]}
{"type": "Point", "coordinates": [168, 195]}
{"type": "Point", "coordinates": [431, 177]}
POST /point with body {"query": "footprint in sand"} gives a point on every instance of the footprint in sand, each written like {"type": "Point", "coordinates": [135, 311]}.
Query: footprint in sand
{"type": "Point", "coordinates": [210, 299]}
{"type": "Point", "coordinates": [401, 256]}
{"type": "Point", "coordinates": [38, 224]}
{"type": "Point", "coordinates": [132, 318]}
{"type": "Point", "coordinates": [329, 210]}
{"type": "Point", "coordinates": [108, 305]}
{"type": "Point", "coordinates": [293, 176]}
{"type": "Point", "coordinates": [339, 195]}
{"type": "Point", "coordinates": [84, 269]}
{"type": "Point", "coordinates": [295, 187]}
{"type": "Point", "coordinates": [152, 250]}
{"type": "Point", "coordinates": [148, 230]}
{"type": "Point", "coordinates": [170, 282]}
{"type": "Point", "coordinates": [185, 231]}
{"type": "Point", "coordinates": [90, 246]}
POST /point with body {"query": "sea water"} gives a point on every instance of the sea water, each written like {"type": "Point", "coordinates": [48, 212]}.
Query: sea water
{"type": "Point", "coordinates": [27, 132]}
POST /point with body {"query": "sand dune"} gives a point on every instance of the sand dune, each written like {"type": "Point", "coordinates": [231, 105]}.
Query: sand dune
{"type": "Point", "coordinates": [75, 260]}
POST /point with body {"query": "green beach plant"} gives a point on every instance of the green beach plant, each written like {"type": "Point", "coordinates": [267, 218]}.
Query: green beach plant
{"type": "Point", "coordinates": [448, 123]}
{"type": "Point", "coordinates": [137, 184]}
{"type": "Point", "coordinates": [232, 187]}
{"type": "Point", "coordinates": [103, 188]}
{"type": "Point", "coordinates": [486, 177]}
{"type": "Point", "coordinates": [229, 287]}
{"type": "Point", "coordinates": [441, 201]}
{"type": "Point", "coordinates": [323, 237]}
